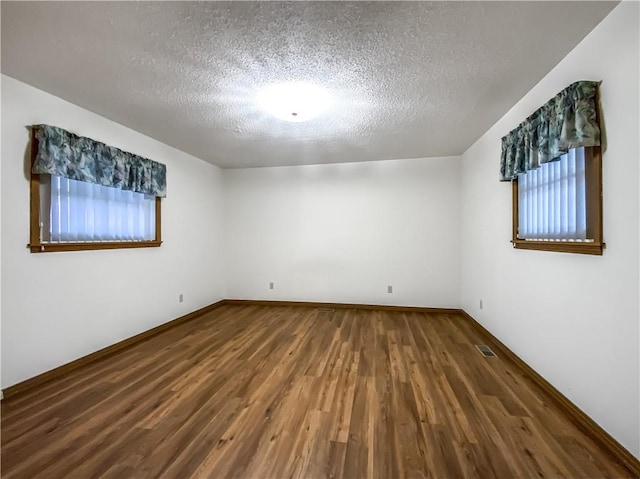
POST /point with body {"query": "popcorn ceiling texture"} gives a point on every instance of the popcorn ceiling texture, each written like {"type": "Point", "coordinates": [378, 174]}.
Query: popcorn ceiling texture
{"type": "Point", "coordinates": [412, 79]}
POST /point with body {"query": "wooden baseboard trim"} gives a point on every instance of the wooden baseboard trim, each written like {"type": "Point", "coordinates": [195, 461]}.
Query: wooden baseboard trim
{"type": "Point", "coordinates": [40, 379]}
{"type": "Point", "coordinates": [580, 418]}
{"type": "Point", "coordinates": [588, 425]}
{"type": "Point", "coordinates": [311, 304]}
{"type": "Point", "coordinates": [31, 383]}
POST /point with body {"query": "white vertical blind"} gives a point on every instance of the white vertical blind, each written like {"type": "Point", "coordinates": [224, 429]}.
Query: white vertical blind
{"type": "Point", "coordinates": [552, 200]}
{"type": "Point", "coordinates": [86, 212]}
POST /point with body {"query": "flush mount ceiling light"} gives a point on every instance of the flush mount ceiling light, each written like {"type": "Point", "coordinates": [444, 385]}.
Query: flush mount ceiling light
{"type": "Point", "coordinates": [294, 101]}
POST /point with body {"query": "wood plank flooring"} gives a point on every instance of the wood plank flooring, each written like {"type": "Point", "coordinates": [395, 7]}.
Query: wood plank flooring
{"type": "Point", "coordinates": [279, 392]}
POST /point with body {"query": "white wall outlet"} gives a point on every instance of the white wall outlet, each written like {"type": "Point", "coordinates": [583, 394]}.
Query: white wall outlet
{"type": "Point", "coordinates": [271, 285]}
{"type": "Point", "coordinates": [389, 289]}
{"type": "Point", "coordinates": [481, 304]}
{"type": "Point", "coordinates": [180, 298]}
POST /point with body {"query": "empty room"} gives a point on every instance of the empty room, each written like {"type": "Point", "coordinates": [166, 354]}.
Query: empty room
{"type": "Point", "coordinates": [317, 239]}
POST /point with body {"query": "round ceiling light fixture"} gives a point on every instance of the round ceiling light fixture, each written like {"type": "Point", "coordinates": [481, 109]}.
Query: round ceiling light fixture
{"type": "Point", "coordinates": [294, 101]}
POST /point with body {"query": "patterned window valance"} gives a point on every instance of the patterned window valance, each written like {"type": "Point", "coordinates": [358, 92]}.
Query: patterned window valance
{"type": "Point", "coordinates": [566, 121]}
{"type": "Point", "coordinates": [75, 157]}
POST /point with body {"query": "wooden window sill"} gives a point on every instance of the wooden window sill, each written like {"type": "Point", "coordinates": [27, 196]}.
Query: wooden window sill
{"type": "Point", "coordinates": [594, 248]}
{"type": "Point", "coordinates": [54, 247]}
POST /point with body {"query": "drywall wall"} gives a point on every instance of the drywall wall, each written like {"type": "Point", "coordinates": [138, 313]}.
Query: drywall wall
{"type": "Point", "coordinates": [1, 394]}
{"type": "Point", "coordinates": [60, 306]}
{"type": "Point", "coordinates": [573, 318]}
{"type": "Point", "coordinates": [345, 232]}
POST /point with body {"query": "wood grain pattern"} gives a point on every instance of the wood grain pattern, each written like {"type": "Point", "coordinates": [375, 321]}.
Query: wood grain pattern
{"type": "Point", "coordinates": [34, 195]}
{"type": "Point", "coordinates": [585, 423]}
{"type": "Point", "coordinates": [317, 304]}
{"type": "Point", "coordinates": [257, 391]}
{"type": "Point", "coordinates": [61, 247]}
{"type": "Point", "coordinates": [40, 379]}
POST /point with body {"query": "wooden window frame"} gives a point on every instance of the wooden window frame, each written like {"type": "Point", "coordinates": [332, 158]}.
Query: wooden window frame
{"type": "Point", "coordinates": [37, 246]}
{"type": "Point", "coordinates": [593, 180]}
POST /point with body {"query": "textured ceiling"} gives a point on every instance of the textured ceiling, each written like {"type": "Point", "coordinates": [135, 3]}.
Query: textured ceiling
{"type": "Point", "coordinates": [411, 79]}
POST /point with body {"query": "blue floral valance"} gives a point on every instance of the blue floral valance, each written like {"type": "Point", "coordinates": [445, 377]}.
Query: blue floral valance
{"type": "Point", "coordinates": [567, 121]}
{"type": "Point", "coordinates": [75, 157]}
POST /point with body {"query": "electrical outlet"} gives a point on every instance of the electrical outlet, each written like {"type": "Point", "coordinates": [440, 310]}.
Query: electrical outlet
{"type": "Point", "coordinates": [180, 298]}
{"type": "Point", "coordinates": [389, 289]}
{"type": "Point", "coordinates": [481, 304]}
{"type": "Point", "coordinates": [271, 285]}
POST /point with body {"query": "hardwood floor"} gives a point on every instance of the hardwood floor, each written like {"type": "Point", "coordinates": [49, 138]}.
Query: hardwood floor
{"type": "Point", "coordinates": [275, 392]}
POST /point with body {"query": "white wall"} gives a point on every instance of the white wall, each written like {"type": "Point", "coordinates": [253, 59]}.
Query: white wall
{"type": "Point", "coordinates": [344, 232]}
{"type": "Point", "coordinates": [573, 318]}
{"type": "Point", "coordinates": [1, 393]}
{"type": "Point", "coordinates": [60, 306]}
{"type": "Point", "coordinates": [436, 229]}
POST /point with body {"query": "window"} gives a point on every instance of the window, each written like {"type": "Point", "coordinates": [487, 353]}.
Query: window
{"type": "Point", "coordinates": [73, 211]}
{"type": "Point", "coordinates": [70, 215]}
{"type": "Point", "coordinates": [558, 206]}
{"type": "Point", "coordinates": [554, 161]}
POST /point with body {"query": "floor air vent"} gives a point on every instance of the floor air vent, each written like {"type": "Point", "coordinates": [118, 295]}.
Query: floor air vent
{"type": "Point", "coordinates": [326, 310]}
{"type": "Point", "coordinates": [486, 351]}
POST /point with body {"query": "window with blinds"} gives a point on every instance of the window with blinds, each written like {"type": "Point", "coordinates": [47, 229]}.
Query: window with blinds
{"type": "Point", "coordinates": [552, 200]}
{"type": "Point", "coordinates": [558, 207]}
{"type": "Point", "coordinates": [79, 212]}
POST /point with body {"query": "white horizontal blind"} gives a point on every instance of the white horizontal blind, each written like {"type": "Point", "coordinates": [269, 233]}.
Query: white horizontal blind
{"type": "Point", "coordinates": [87, 212]}
{"type": "Point", "coordinates": [552, 200]}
